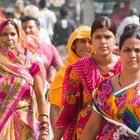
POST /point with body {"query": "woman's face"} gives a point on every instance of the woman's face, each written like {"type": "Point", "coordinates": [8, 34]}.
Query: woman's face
{"type": "Point", "coordinates": [103, 41]}
{"type": "Point", "coordinates": [9, 36]}
{"type": "Point", "coordinates": [130, 54]}
{"type": "Point", "coordinates": [83, 47]}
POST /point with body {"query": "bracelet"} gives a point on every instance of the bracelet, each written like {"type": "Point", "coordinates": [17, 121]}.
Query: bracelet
{"type": "Point", "coordinates": [42, 115]}
{"type": "Point", "coordinates": [44, 134]}
{"type": "Point", "coordinates": [45, 129]}
{"type": "Point", "coordinates": [44, 122]}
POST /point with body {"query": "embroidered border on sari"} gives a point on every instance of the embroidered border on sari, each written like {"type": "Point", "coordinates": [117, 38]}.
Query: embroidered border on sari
{"type": "Point", "coordinates": [125, 88]}
{"type": "Point", "coordinates": [129, 131]}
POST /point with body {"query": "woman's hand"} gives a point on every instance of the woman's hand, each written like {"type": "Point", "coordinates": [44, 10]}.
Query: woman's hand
{"type": "Point", "coordinates": [43, 136]}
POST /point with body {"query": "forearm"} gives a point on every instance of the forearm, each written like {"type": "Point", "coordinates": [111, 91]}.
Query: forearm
{"type": "Point", "coordinates": [41, 104]}
{"type": "Point", "coordinates": [40, 98]}
{"type": "Point", "coordinates": [58, 134]}
{"type": "Point", "coordinates": [54, 114]}
{"type": "Point", "coordinates": [89, 133]}
{"type": "Point", "coordinates": [92, 127]}
{"type": "Point", "coordinates": [42, 108]}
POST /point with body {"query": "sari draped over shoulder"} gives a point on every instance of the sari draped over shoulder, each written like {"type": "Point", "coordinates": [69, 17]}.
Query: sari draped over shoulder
{"type": "Point", "coordinates": [55, 92]}
{"type": "Point", "coordinates": [81, 78]}
{"type": "Point", "coordinates": [120, 109]}
{"type": "Point", "coordinates": [18, 116]}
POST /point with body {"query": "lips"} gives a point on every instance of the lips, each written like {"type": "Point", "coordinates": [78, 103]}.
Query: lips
{"type": "Point", "coordinates": [103, 47]}
{"type": "Point", "coordinates": [86, 51]}
{"type": "Point", "coordinates": [132, 62]}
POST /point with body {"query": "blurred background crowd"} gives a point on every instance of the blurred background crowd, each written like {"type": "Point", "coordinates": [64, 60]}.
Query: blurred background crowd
{"type": "Point", "coordinates": [53, 21]}
{"type": "Point", "coordinates": [77, 12]}
{"type": "Point", "coordinates": [79, 9]}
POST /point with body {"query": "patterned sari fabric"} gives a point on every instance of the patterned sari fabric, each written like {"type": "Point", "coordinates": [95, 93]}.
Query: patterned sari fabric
{"type": "Point", "coordinates": [55, 92]}
{"type": "Point", "coordinates": [120, 109]}
{"type": "Point", "coordinates": [80, 79]}
{"type": "Point", "coordinates": [17, 99]}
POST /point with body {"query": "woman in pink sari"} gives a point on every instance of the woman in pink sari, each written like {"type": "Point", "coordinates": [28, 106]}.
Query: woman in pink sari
{"type": "Point", "coordinates": [20, 88]}
{"type": "Point", "coordinates": [84, 76]}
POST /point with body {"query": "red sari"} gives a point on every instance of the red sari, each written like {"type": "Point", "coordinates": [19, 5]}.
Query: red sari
{"type": "Point", "coordinates": [81, 79]}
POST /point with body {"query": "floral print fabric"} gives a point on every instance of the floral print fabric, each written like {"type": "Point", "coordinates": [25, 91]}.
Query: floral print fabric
{"type": "Point", "coordinates": [121, 111]}
{"type": "Point", "coordinates": [80, 79]}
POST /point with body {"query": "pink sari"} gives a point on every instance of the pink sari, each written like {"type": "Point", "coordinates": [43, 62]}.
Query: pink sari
{"type": "Point", "coordinates": [17, 100]}
{"type": "Point", "coordinates": [81, 79]}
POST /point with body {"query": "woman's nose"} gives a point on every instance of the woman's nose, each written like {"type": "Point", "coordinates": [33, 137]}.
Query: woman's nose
{"type": "Point", "coordinates": [9, 37]}
{"type": "Point", "coordinates": [103, 40]}
{"type": "Point", "coordinates": [87, 44]}
{"type": "Point", "coordinates": [133, 54]}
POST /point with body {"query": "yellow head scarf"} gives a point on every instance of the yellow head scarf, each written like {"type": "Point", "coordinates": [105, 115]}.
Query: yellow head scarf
{"type": "Point", "coordinates": [55, 92]}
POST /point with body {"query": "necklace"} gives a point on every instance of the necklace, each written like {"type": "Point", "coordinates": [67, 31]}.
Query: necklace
{"type": "Point", "coordinates": [119, 80]}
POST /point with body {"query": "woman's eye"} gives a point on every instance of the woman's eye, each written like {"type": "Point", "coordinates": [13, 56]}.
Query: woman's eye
{"type": "Point", "coordinates": [126, 50]}
{"type": "Point", "coordinates": [4, 34]}
{"type": "Point", "coordinates": [97, 37]}
{"type": "Point", "coordinates": [13, 34]}
{"type": "Point", "coordinates": [108, 36]}
{"type": "Point", "coordinates": [137, 50]}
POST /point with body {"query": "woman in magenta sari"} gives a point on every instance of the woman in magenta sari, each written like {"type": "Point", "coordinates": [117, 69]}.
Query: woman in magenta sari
{"type": "Point", "coordinates": [20, 88]}
{"type": "Point", "coordinates": [117, 99]}
{"type": "Point", "coordinates": [84, 76]}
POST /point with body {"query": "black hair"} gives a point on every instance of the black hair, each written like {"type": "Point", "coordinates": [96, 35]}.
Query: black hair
{"type": "Point", "coordinates": [133, 11]}
{"type": "Point", "coordinates": [27, 18]}
{"type": "Point", "coordinates": [74, 44]}
{"type": "Point", "coordinates": [9, 15]}
{"type": "Point", "coordinates": [103, 22]}
{"type": "Point", "coordinates": [63, 11]}
{"type": "Point", "coordinates": [128, 34]}
{"type": "Point", "coordinates": [131, 26]}
{"type": "Point", "coordinates": [42, 4]}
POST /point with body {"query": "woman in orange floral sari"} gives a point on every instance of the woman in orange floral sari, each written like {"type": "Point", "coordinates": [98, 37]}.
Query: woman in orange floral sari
{"type": "Point", "coordinates": [20, 88]}
{"type": "Point", "coordinates": [83, 76]}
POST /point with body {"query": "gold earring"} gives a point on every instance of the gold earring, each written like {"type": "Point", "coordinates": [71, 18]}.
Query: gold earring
{"type": "Point", "coordinates": [93, 52]}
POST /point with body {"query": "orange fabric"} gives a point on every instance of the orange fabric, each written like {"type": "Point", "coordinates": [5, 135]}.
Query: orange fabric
{"type": "Point", "coordinates": [55, 92]}
{"type": "Point", "coordinates": [1, 16]}
{"type": "Point", "coordinates": [33, 43]}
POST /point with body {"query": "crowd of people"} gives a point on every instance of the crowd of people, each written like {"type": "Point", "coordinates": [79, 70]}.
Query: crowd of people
{"type": "Point", "coordinates": [95, 93]}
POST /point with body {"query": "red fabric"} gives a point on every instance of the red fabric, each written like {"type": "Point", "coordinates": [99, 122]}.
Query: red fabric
{"type": "Point", "coordinates": [81, 79]}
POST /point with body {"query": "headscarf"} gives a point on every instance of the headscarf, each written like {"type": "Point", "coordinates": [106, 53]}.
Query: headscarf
{"type": "Point", "coordinates": [56, 86]}
{"type": "Point", "coordinates": [22, 35]}
{"type": "Point", "coordinates": [9, 61]}
{"type": "Point", "coordinates": [33, 43]}
{"type": "Point", "coordinates": [80, 32]}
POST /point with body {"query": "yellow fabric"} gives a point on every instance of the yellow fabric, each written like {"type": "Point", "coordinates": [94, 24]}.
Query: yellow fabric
{"type": "Point", "coordinates": [55, 92]}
